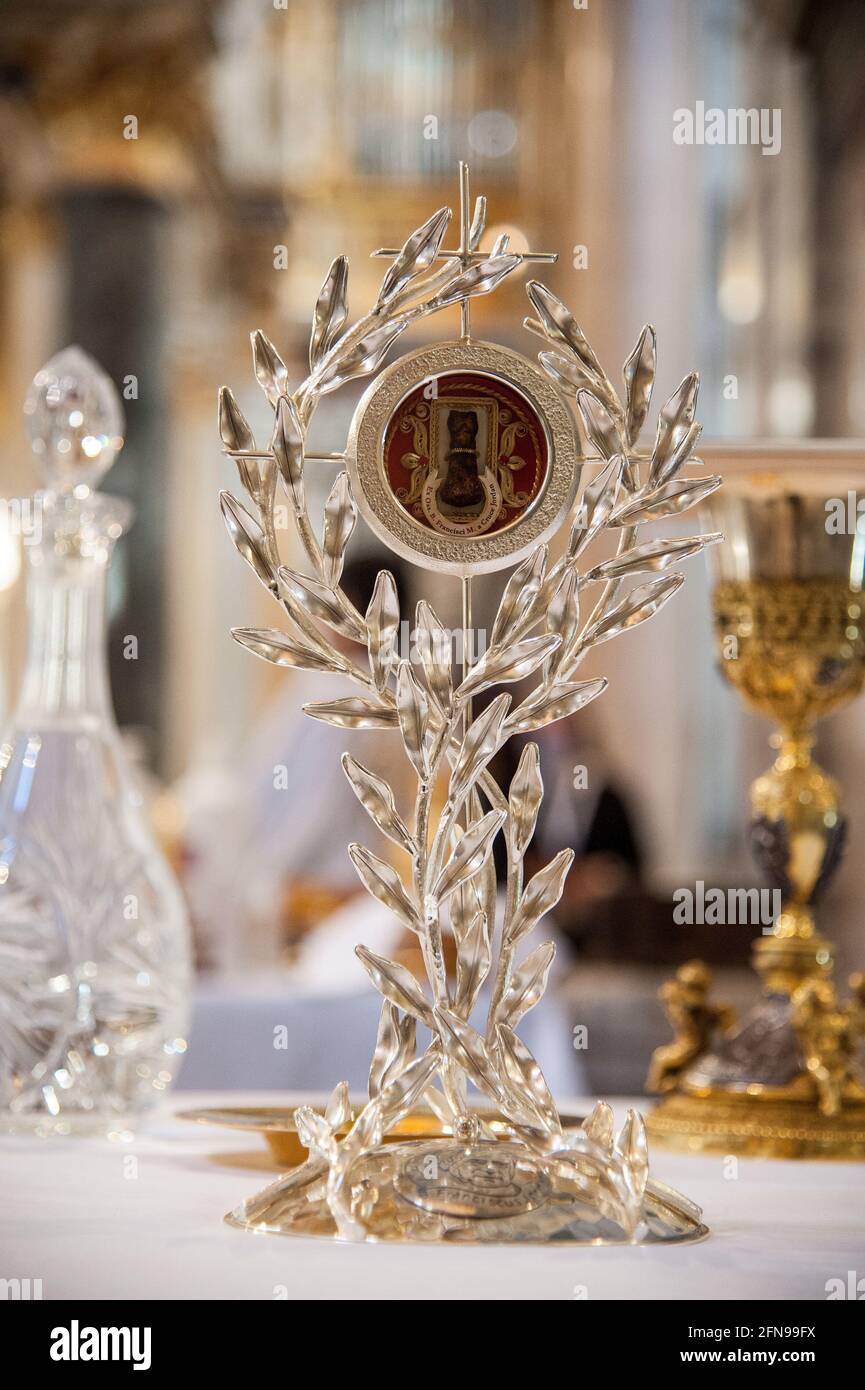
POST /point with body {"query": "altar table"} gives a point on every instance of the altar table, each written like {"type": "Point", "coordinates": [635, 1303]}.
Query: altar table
{"type": "Point", "coordinates": [92, 1218]}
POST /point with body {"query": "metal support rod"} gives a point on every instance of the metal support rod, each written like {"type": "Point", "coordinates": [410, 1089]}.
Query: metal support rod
{"type": "Point", "coordinates": [473, 257]}
{"type": "Point", "coordinates": [465, 249]}
{"type": "Point", "coordinates": [466, 583]}
{"type": "Point", "coordinates": [256, 455]}
{"type": "Point", "coordinates": [467, 652]}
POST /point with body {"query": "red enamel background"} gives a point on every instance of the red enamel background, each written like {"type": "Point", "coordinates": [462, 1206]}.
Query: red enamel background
{"type": "Point", "coordinates": [529, 446]}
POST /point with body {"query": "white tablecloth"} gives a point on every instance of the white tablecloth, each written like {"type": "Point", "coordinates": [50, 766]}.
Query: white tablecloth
{"type": "Point", "coordinates": [91, 1223]}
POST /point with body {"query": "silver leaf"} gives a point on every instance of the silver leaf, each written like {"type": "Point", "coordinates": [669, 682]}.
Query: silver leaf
{"type": "Point", "coordinates": [478, 279]}
{"type": "Point", "coordinates": [524, 800]}
{"type": "Point", "coordinates": [377, 799]}
{"type": "Point", "coordinates": [301, 613]}
{"type": "Point", "coordinates": [248, 472]}
{"type": "Point", "coordinates": [353, 712]}
{"type": "Point", "coordinates": [663, 470]}
{"type": "Point", "coordinates": [600, 426]}
{"type": "Point", "coordinates": [519, 594]}
{"type": "Point", "coordinates": [413, 711]}
{"type": "Point", "coordinates": [485, 882]}
{"type": "Point", "coordinates": [400, 1095]}
{"type": "Point", "coordinates": [438, 1105]}
{"type": "Point", "coordinates": [566, 371]}
{"type": "Point", "coordinates": [265, 494]}
{"type": "Point", "coordinates": [386, 1046]}
{"type": "Point", "coordinates": [362, 357]}
{"type": "Point", "coordinates": [248, 537]}
{"type": "Point", "coordinates": [467, 1048]}
{"type": "Point", "coordinates": [508, 663]}
{"type": "Point", "coordinates": [473, 964]}
{"type": "Point", "coordinates": [316, 600]}
{"type": "Point", "coordinates": [397, 984]}
{"type": "Point", "coordinates": [542, 893]}
{"type": "Point", "coordinates": [382, 621]}
{"type": "Point", "coordinates": [639, 376]}
{"type": "Point", "coordinates": [527, 1078]}
{"type": "Point", "coordinates": [338, 1109]}
{"type": "Point", "coordinates": [640, 604]}
{"type": "Point", "coordinates": [668, 500]}
{"type": "Point", "coordinates": [654, 555]}
{"type": "Point", "coordinates": [633, 1149]}
{"type": "Point", "coordinates": [424, 286]}
{"type": "Point", "coordinates": [563, 621]}
{"type": "Point", "coordinates": [434, 648]}
{"type": "Point", "coordinates": [287, 448]}
{"type": "Point", "coordinates": [271, 372]}
{"type": "Point", "coordinates": [596, 505]}
{"type": "Point", "coordinates": [599, 1126]}
{"type": "Point", "coordinates": [560, 323]}
{"type": "Point", "coordinates": [383, 883]}
{"type": "Point", "coordinates": [340, 515]}
{"type": "Point", "coordinates": [545, 706]}
{"type": "Point", "coordinates": [405, 1050]}
{"type": "Point", "coordinates": [419, 251]}
{"type": "Point", "coordinates": [465, 905]}
{"type": "Point", "coordinates": [331, 311]}
{"type": "Point", "coordinates": [527, 985]}
{"type": "Point", "coordinates": [550, 583]}
{"type": "Point", "coordinates": [482, 740]}
{"type": "Point", "coordinates": [470, 854]}
{"type": "Point", "coordinates": [676, 418]}
{"type": "Point", "coordinates": [275, 647]}
{"type": "Point", "coordinates": [314, 1132]}
{"type": "Point", "coordinates": [233, 428]}
{"type": "Point", "coordinates": [479, 222]}
{"type": "Point", "coordinates": [366, 1132]}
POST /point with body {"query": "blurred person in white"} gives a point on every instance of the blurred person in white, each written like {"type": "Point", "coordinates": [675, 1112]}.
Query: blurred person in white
{"type": "Point", "coordinates": [267, 845]}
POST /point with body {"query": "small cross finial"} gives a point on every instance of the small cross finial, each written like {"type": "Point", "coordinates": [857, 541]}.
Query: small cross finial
{"type": "Point", "coordinates": [471, 231]}
{"type": "Point", "coordinates": [465, 245]}
{"type": "Point", "coordinates": [467, 253]}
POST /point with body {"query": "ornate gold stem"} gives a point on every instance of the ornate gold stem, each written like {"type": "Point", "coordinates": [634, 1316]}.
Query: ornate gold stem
{"type": "Point", "coordinates": [786, 1080]}
{"type": "Point", "coordinates": [796, 828]}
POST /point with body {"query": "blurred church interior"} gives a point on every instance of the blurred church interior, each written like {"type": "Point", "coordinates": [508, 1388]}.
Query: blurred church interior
{"type": "Point", "coordinates": [175, 173]}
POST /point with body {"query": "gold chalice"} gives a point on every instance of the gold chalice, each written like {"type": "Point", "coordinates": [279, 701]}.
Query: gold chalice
{"type": "Point", "coordinates": [789, 613]}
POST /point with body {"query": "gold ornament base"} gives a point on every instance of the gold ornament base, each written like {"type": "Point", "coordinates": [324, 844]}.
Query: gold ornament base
{"type": "Point", "coordinates": [440, 1193]}
{"type": "Point", "coordinates": [757, 1126]}
{"type": "Point", "coordinates": [784, 1083]}
{"type": "Point", "coordinates": [787, 1081]}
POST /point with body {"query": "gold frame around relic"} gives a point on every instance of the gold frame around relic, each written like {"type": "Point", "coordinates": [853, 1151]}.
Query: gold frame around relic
{"type": "Point", "coordinates": [388, 518]}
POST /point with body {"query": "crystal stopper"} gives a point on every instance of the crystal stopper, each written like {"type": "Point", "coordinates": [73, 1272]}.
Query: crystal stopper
{"type": "Point", "coordinates": [74, 419]}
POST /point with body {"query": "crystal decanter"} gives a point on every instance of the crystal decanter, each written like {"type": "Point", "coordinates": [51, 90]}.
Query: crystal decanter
{"type": "Point", "coordinates": [94, 939]}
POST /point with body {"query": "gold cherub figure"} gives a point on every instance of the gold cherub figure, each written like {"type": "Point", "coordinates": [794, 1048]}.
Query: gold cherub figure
{"type": "Point", "coordinates": [829, 1035]}
{"type": "Point", "coordinates": [693, 1020]}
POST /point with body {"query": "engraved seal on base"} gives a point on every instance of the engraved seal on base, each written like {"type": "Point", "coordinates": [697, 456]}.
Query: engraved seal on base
{"type": "Point", "coordinates": [483, 1181]}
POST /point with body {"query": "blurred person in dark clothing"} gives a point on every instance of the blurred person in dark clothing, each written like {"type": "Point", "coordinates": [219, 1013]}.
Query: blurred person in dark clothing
{"type": "Point", "coordinates": [585, 810]}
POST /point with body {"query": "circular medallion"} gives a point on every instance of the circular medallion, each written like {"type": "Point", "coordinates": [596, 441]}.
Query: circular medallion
{"type": "Point", "coordinates": [486, 1180]}
{"type": "Point", "coordinates": [463, 457]}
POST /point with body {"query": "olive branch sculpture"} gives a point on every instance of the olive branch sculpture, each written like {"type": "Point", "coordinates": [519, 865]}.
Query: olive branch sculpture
{"type": "Point", "coordinates": [550, 615]}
